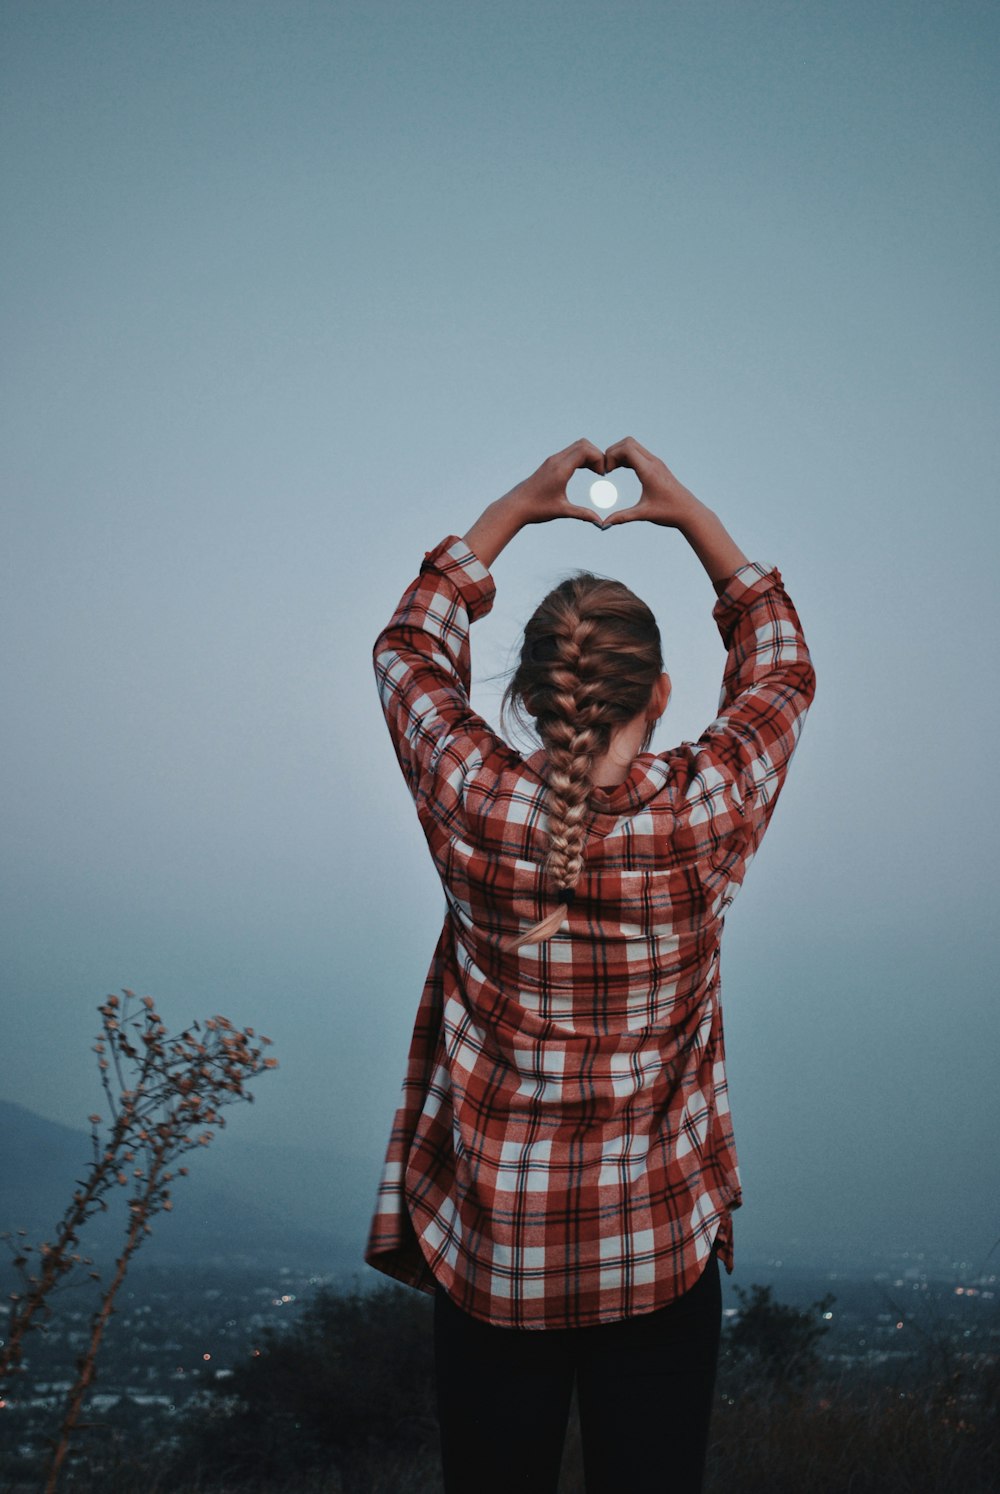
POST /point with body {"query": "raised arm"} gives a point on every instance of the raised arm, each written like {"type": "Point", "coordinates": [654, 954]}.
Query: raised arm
{"type": "Point", "coordinates": [665, 500]}
{"type": "Point", "coordinates": [538, 499]}
{"type": "Point", "coordinates": [767, 688]}
{"type": "Point", "coordinates": [422, 660]}
{"type": "Point", "coordinates": [423, 668]}
{"type": "Point", "coordinates": [736, 769]}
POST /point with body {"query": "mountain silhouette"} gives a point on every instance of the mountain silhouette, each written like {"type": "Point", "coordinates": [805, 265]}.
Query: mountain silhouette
{"type": "Point", "coordinates": [243, 1202]}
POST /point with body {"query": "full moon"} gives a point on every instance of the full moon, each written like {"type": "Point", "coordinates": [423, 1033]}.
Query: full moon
{"type": "Point", "coordinates": [603, 494]}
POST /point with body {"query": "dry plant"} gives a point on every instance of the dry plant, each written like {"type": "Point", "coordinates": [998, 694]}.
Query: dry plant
{"type": "Point", "coordinates": [165, 1095]}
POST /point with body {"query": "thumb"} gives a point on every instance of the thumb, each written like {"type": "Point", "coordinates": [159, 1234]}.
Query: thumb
{"type": "Point", "coordinates": [624, 516]}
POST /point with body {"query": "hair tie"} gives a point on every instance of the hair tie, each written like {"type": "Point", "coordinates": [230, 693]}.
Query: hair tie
{"type": "Point", "coordinates": [567, 895]}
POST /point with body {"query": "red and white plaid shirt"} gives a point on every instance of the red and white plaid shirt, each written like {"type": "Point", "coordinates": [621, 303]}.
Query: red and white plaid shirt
{"type": "Point", "coordinates": [563, 1152]}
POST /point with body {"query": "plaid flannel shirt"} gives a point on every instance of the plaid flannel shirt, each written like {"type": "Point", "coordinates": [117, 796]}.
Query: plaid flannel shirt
{"type": "Point", "coordinates": [563, 1152]}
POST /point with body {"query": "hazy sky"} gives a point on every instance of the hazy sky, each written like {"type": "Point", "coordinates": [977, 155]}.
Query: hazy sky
{"type": "Point", "coordinates": [290, 290]}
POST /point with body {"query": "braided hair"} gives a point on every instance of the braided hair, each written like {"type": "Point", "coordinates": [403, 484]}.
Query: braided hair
{"type": "Point", "coordinates": [590, 659]}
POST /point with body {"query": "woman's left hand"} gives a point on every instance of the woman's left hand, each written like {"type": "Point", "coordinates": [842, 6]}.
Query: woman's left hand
{"type": "Point", "coordinates": [536, 500]}
{"type": "Point", "coordinates": [542, 496]}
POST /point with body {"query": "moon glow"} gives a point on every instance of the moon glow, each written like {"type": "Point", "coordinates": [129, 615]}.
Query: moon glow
{"type": "Point", "coordinates": [603, 494]}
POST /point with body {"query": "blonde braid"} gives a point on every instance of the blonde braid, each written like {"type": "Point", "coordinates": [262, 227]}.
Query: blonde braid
{"type": "Point", "coordinates": [572, 740]}
{"type": "Point", "coordinates": [591, 653]}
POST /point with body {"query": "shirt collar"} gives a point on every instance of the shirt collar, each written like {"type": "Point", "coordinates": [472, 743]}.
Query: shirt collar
{"type": "Point", "coordinates": [645, 780]}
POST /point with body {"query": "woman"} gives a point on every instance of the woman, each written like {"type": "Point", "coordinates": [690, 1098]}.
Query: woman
{"type": "Point", "coordinates": [561, 1172]}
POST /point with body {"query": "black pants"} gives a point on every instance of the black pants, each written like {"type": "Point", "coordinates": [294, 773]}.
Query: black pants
{"type": "Point", "coordinates": [644, 1388]}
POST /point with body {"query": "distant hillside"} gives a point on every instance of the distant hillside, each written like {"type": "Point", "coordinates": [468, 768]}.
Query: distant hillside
{"type": "Point", "coordinates": [242, 1202]}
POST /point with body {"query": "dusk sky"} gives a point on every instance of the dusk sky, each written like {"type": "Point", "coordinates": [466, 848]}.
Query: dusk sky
{"type": "Point", "coordinates": [290, 291]}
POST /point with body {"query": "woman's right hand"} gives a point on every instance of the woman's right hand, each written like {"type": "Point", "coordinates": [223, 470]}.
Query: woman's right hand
{"type": "Point", "coordinates": [663, 499]}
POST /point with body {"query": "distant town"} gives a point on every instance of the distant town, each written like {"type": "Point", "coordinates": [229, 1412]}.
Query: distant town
{"type": "Point", "coordinates": [181, 1331]}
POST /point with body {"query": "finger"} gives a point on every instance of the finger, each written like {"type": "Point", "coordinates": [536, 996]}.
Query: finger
{"type": "Point", "coordinates": [628, 453]}
{"type": "Point", "coordinates": [588, 455]}
{"type": "Point", "coordinates": [623, 516]}
{"type": "Point", "coordinates": [620, 454]}
{"type": "Point", "coordinates": [581, 511]}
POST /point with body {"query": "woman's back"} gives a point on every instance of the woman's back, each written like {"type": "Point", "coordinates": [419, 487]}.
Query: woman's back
{"type": "Point", "coordinates": [563, 1154]}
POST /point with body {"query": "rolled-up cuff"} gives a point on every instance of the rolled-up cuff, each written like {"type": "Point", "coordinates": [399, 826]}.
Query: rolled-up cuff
{"type": "Point", "coordinates": [453, 558]}
{"type": "Point", "coordinates": [743, 587]}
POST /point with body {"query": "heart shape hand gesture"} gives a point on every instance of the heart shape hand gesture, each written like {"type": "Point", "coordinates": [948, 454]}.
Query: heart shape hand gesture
{"type": "Point", "coordinates": [663, 500]}
{"type": "Point", "coordinates": [543, 497]}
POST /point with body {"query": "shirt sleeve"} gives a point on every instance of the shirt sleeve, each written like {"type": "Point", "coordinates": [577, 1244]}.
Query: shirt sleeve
{"type": "Point", "coordinates": [423, 670]}
{"type": "Point", "coordinates": [738, 766]}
